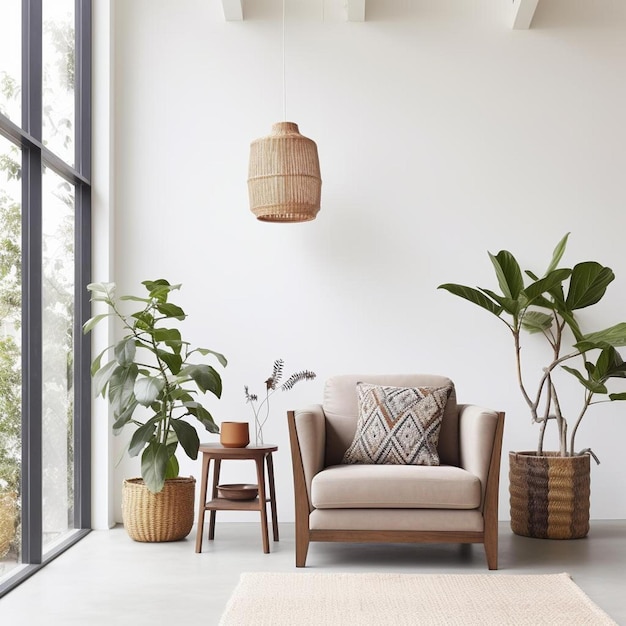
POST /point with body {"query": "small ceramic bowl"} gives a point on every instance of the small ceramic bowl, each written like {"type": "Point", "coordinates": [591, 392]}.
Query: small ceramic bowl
{"type": "Point", "coordinates": [238, 491]}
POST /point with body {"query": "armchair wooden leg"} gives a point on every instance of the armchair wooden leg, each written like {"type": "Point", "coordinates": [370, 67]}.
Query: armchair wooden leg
{"type": "Point", "coordinates": [491, 549]}
{"type": "Point", "coordinates": [302, 546]}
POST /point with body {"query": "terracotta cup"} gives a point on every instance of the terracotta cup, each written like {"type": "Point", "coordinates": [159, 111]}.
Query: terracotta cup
{"type": "Point", "coordinates": [234, 434]}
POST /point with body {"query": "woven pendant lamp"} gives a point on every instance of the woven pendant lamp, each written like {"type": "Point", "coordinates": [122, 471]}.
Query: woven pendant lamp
{"type": "Point", "coordinates": [284, 182]}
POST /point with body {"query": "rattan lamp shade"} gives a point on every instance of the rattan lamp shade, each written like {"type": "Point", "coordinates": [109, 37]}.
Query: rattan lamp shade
{"type": "Point", "coordinates": [284, 182]}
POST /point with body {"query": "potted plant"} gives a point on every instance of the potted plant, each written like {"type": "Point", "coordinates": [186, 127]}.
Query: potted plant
{"type": "Point", "coordinates": [151, 381]}
{"type": "Point", "coordinates": [549, 491]}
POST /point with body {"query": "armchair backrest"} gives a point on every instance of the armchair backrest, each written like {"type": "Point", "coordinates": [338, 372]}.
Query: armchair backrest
{"type": "Point", "coordinates": [341, 411]}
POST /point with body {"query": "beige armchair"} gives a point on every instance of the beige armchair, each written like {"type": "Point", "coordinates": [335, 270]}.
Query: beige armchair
{"type": "Point", "coordinates": [456, 501]}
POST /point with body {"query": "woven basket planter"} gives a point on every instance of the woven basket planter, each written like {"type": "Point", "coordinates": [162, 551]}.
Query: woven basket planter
{"type": "Point", "coordinates": [8, 513]}
{"type": "Point", "coordinates": [164, 516]}
{"type": "Point", "coordinates": [549, 495]}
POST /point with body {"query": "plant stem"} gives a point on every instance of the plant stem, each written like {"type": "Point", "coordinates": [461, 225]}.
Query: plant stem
{"type": "Point", "coordinates": [260, 422]}
{"type": "Point", "coordinates": [561, 422]}
{"type": "Point", "coordinates": [542, 433]}
{"type": "Point", "coordinates": [588, 397]}
{"type": "Point", "coordinates": [168, 405]}
{"type": "Point", "coordinates": [520, 381]}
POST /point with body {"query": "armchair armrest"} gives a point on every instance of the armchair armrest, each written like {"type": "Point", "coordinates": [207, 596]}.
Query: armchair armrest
{"type": "Point", "coordinates": [307, 434]}
{"type": "Point", "coordinates": [480, 444]}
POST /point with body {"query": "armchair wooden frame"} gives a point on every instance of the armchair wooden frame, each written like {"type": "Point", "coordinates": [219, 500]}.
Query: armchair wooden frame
{"type": "Point", "coordinates": [488, 537]}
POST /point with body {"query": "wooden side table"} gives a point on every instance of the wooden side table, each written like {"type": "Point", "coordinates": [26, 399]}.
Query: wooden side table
{"type": "Point", "coordinates": [217, 453]}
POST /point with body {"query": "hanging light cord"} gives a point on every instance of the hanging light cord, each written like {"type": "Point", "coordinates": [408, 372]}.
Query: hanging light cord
{"type": "Point", "coordinates": [284, 71]}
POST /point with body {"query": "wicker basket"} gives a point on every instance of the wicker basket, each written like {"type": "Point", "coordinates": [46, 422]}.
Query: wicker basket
{"type": "Point", "coordinates": [164, 516]}
{"type": "Point", "coordinates": [549, 495]}
{"type": "Point", "coordinates": [8, 512]}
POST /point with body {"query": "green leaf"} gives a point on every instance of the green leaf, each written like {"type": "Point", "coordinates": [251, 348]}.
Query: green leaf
{"type": "Point", "coordinates": [474, 296]}
{"type": "Point", "coordinates": [531, 274]}
{"type": "Point", "coordinates": [592, 385]}
{"type": "Point", "coordinates": [101, 287]}
{"type": "Point", "coordinates": [125, 351]}
{"type": "Point", "coordinates": [508, 273]}
{"type": "Point", "coordinates": [613, 336]}
{"type": "Point", "coordinates": [179, 393]}
{"type": "Point", "coordinates": [95, 364]}
{"type": "Point", "coordinates": [170, 310]}
{"type": "Point", "coordinates": [617, 396]}
{"type": "Point", "coordinates": [172, 468]}
{"type": "Point", "coordinates": [203, 416]}
{"type": "Point", "coordinates": [205, 377]}
{"type": "Point", "coordinates": [603, 364]}
{"type": "Point", "coordinates": [570, 320]}
{"type": "Point", "coordinates": [204, 351]}
{"type": "Point", "coordinates": [89, 324]}
{"type": "Point", "coordinates": [121, 387]}
{"type": "Point", "coordinates": [102, 377]}
{"type": "Point", "coordinates": [557, 254]}
{"type": "Point", "coordinates": [173, 361]}
{"type": "Point", "coordinates": [187, 436]}
{"type": "Point", "coordinates": [103, 292]}
{"type": "Point", "coordinates": [145, 321]}
{"type": "Point", "coordinates": [154, 465]}
{"type": "Point", "coordinates": [512, 307]}
{"type": "Point", "coordinates": [159, 289]}
{"type": "Point", "coordinates": [169, 336]}
{"type": "Point", "coordinates": [546, 284]}
{"type": "Point", "coordinates": [147, 389]}
{"type": "Point", "coordinates": [543, 303]}
{"type": "Point", "coordinates": [536, 321]}
{"type": "Point", "coordinates": [135, 299]}
{"type": "Point", "coordinates": [142, 436]}
{"type": "Point", "coordinates": [124, 418]}
{"type": "Point", "coordinates": [588, 284]}
{"type": "Point", "coordinates": [609, 365]}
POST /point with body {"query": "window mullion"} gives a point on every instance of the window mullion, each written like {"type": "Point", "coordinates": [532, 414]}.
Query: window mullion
{"type": "Point", "coordinates": [82, 248]}
{"type": "Point", "coordinates": [31, 285]}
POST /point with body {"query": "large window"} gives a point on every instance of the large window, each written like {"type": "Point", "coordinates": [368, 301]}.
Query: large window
{"type": "Point", "coordinates": [45, 251]}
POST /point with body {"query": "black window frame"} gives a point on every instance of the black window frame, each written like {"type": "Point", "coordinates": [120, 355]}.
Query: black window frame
{"type": "Point", "coordinates": [35, 156]}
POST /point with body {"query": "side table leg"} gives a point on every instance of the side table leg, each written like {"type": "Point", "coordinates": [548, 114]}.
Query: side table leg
{"type": "Point", "coordinates": [270, 477]}
{"type": "Point", "coordinates": [216, 477]}
{"type": "Point", "coordinates": [260, 472]}
{"type": "Point", "coordinates": [202, 505]}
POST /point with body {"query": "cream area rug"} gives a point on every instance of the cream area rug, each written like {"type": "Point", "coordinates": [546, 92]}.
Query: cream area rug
{"type": "Point", "coordinates": [326, 599]}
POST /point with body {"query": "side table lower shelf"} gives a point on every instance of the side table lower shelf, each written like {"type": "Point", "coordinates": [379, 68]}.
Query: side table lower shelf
{"type": "Point", "coordinates": [224, 504]}
{"type": "Point", "coordinates": [261, 455]}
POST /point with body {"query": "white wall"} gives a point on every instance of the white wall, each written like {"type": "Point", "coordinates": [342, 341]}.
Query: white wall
{"type": "Point", "coordinates": [103, 480]}
{"type": "Point", "coordinates": [442, 134]}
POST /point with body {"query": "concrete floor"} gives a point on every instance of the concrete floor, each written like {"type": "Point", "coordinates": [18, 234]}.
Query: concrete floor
{"type": "Point", "coordinates": [109, 579]}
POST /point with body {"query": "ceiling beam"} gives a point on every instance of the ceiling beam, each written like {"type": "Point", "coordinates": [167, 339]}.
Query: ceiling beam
{"type": "Point", "coordinates": [233, 10]}
{"type": "Point", "coordinates": [523, 13]}
{"type": "Point", "coordinates": [355, 10]}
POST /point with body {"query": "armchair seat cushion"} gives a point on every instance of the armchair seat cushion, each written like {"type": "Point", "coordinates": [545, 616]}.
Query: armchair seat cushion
{"type": "Point", "coordinates": [395, 487]}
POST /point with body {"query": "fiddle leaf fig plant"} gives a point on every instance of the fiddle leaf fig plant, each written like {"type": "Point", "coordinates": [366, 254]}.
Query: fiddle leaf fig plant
{"type": "Point", "coordinates": [152, 379]}
{"type": "Point", "coordinates": [548, 305]}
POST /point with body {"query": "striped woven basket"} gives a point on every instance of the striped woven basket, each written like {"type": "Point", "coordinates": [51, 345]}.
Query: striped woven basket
{"type": "Point", "coordinates": [164, 516]}
{"type": "Point", "coordinates": [549, 495]}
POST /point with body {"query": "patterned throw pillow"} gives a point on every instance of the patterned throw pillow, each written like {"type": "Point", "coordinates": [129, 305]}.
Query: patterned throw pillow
{"type": "Point", "coordinates": [397, 425]}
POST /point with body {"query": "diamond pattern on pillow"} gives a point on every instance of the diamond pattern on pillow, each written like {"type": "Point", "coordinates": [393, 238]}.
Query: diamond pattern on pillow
{"type": "Point", "coordinates": [397, 425]}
